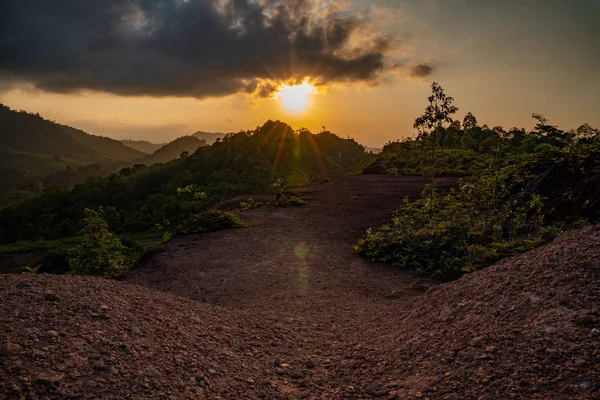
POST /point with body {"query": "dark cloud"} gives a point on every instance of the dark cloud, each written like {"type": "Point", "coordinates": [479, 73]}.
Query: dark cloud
{"type": "Point", "coordinates": [195, 48]}
{"type": "Point", "coordinates": [421, 71]}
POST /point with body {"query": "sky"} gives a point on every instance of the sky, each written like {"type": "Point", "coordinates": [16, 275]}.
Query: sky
{"type": "Point", "coordinates": [159, 69]}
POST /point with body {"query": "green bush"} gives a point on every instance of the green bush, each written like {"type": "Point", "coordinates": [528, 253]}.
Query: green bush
{"type": "Point", "coordinates": [288, 200]}
{"type": "Point", "coordinates": [249, 204]}
{"type": "Point", "coordinates": [209, 221]}
{"type": "Point", "coordinates": [469, 228]}
{"type": "Point", "coordinates": [99, 252]}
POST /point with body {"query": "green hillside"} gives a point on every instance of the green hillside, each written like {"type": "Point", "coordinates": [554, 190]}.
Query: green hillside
{"type": "Point", "coordinates": [140, 198]}
{"type": "Point", "coordinates": [36, 152]}
{"type": "Point", "coordinates": [173, 150]}
{"type": "Point", "coordinates": [142, 145]}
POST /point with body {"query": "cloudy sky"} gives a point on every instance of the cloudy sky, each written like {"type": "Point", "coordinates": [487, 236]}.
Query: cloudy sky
{"type": "Point", "coordinates": [158, 69]}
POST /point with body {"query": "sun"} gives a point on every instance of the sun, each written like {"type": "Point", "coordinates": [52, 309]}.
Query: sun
{"type": "Point", "coordinates": [295, 98]}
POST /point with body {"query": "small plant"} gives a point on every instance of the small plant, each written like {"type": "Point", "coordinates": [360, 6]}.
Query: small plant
{"type": "Point", "coordinates": [99, 252]}
{"type": "Point", "coordinates": [393, 294]}
{"type": "Point", "coordinates": [31, 270]}
{"type": "Point", "coordinates": [288, 200]}
{"type": "Point", "coordinates": [209, 221]}
{"type": "Point", "coordinates": [249, 204]}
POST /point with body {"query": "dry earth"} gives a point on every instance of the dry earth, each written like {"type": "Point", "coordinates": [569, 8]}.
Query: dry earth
{"type": "Point", "coordinates": [284, 309]}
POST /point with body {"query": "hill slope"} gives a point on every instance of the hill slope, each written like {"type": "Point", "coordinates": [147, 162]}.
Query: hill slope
{"type": "Point", "coordinates": [210, 137]}
{"type": "Point", "coordinates": [300, 316]}
{"type": "Point", "coordinates": [32, 147]}
{"type": "Point", "coordinates": [173, 150]}
{"type": "Point", "coordinates": [31, 135]}
{"type": "Point", "coordinates": [142, 197]}
{"type": "Point", "coordinates": [142, 145]}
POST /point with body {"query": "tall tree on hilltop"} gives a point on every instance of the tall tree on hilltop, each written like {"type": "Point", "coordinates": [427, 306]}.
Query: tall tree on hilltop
{"type": "Point", "coordinates": [438, 112]}
{"type": "Point", "coordinates": [469, 122]}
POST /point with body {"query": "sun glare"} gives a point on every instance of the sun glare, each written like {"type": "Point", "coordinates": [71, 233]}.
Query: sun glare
{"type": "Point", "coordinates": [296, 98]}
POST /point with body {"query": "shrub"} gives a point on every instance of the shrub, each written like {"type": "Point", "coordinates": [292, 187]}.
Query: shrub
{"type": "Point", "coordinates": [209, 221]}
{"type": "Point", "coordinates": [288, 200]}
{"type": "Point", "coordinates": [99, 252]}
{"type": "Point", "coordinates": [249, 204]}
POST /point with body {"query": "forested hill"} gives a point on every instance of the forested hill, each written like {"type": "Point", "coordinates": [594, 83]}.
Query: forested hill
{"type": "Point", "coordinates": [142, 145]}
{"type": "Point", "coordinates": [32, 147]}
{"type": "Point", "coordinates": [140, 197]}
{"type": "Point", "coordinates": [173, 150]}
{"type": "Point", "coordinates": [210, 137]}
{"type": "Point", "coordinates": [30, 135]}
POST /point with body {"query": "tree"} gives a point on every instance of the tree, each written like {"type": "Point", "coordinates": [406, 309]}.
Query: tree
{"type": "Point", "coordinates": [99, 252]}
{"type": "Point", "coordinates": [469, 122]}
{"type": "Point", "coordinates": [438, 112]}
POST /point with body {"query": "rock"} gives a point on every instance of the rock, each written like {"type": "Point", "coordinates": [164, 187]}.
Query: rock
{"type": "Point", "coordinates": [52, 334]}
{"type": "Point", "coordinates": [476, 341]}
{"type": "Point", "coordinates": [16, 389]}
{"type": "Point", "coordinates": [451, 396]}
{"type": "Point", "coordinates": [51, 297]}
{"type": "Point", "coordinates": [309, 363]}
{"type": "Point", "coordinates": [280, 371]}
{"type": "Point", "coordinates": [212, 371]}
{"type": "Point", "coordinates": [49, 377]}
{"type": "Point", "coordinates": [103, 307]}
{"type": "Point", "coordinates": [595, 332]}
{"type": "Point", "coordinates": [284, 365]}
{"type": "Point", "coordinates": [10, 349]}
{"type": "Point", "coordinates": [135, 330]}
{"type": "Point", "coordinates": [152, 372]}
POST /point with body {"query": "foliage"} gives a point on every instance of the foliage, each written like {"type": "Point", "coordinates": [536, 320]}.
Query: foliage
{"type": "Point", "coordinates": [249, 204]}
{"type": "Point", "coordinates": [31, 270]}
{"type": "Point", "coordinates": [438, 112]}
{"type": "Point", "coordinates": [34, 149]}
{"type": "Point", "coordinates": [519, 201]}
{"type": "Point", "coordinates": [138, 198]}
{"type": "Point", "coordinates": [209, 221]}
{"type": "Point", "coordinates": [99, 252]}
{"type": "Point", "coordinates": [288, 200]}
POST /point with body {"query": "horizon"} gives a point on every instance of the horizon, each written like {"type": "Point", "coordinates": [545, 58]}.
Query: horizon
{"type": "Point", "coordinates": [361, 68]}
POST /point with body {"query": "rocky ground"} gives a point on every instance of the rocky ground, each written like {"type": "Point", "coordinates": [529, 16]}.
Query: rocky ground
{"type": "Point", "coordinates": [283, 309]}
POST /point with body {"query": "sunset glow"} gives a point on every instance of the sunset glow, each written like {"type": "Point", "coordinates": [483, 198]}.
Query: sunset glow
{"type": "Point", "coordinates": [295, 99]}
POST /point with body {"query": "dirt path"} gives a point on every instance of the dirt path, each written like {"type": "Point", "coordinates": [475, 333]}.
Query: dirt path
{"type": "Point", "coordinates": [294, 267]}
{"type": "Point", "coordinates": [291, 257]}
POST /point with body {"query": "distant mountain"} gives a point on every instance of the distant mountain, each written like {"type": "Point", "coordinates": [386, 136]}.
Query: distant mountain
{"type": "Point", "coordinates": [32, 148]}
{"type": "Point", "coordinates": [27, 138]}
{"type": "Point", "coordinates": [143, 145]}
{"type": "Point", "coordinates": [173, 150]}
{"type": "Point", "coordinates": [210, 137]}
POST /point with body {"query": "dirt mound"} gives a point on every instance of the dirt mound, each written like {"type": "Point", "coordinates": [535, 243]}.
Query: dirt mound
{"type": "Point", "coordinates": [306, 318]}
{"type": "Point", "coordinates": [84, 337]}
{"type": "Point", "coordinates": [527, 327]}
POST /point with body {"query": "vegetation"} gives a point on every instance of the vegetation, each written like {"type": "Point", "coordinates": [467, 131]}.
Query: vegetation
{"type": "Point", "coordinates": [174, 149]}
{"type": "Point", "coordinates": [99, 252]}
{"type": "Point", "coordinates": [288, 200]}
{"type": "Point", "coordinates": [170, 198]}
{"type": "Point", "coordinates": [142, 145]}
{"type": "Point", "coordinates": [139, 198]}
{"type": "Point", "coordinates": [36, 153]}
{"type": "Point", "coordinates": [524, 189]}
{"type": "Point", "coordinates": [209, 221]}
